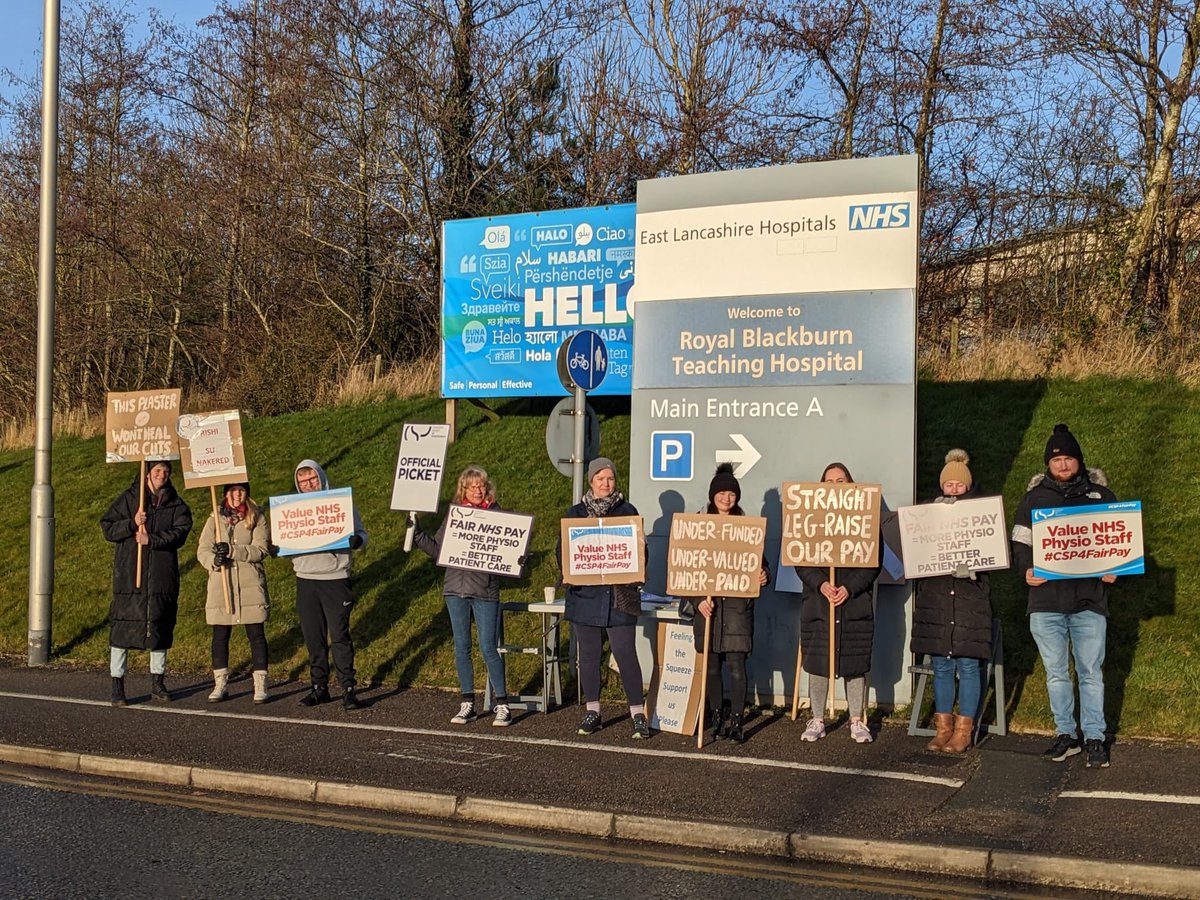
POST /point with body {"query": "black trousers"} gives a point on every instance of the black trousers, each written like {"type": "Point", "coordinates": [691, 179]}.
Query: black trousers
{"type": "Point", "coordinates": [255, 634]}
{"type": "Point", "coordinates": [323, 607]}
{"type": "Point", "coordinates": [589, 640]}
{"type": "Point", "coordinates": [736, 663]}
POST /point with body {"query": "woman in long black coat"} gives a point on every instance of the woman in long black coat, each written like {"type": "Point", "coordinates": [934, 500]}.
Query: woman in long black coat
{"type": "Point", "coordinates": [143, 618]}
{"type": "Point", "coordinates": [731, 632]}
{"type": "Point", "coordinates": [849, 599]}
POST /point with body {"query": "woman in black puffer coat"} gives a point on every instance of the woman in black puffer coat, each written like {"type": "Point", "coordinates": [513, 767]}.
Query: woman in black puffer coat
{"type": "Point", "coordinates": [952, 622]}
{"type": "Point", "coordinates": [143, 618]}
{"type": "Point", "coordinates": [732, 624]}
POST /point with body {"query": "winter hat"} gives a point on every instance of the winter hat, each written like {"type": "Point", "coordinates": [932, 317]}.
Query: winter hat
{"type": "Point", "coordinates": [956, 468]}
{"type": "Point", "coordinates": [723, 480]}
{"type": "Point", "coordinates": [1062, 443]}
{"type": "Point", "coordinates": [599, 464]}
{"type": "Point", "coordinates": [244, 485]}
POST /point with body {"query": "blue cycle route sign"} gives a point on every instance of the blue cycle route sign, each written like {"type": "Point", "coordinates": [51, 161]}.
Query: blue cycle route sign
{"type": "Point", "coordinates": [587, 360]}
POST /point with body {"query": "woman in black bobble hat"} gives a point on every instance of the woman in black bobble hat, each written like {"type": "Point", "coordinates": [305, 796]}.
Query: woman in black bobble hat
{"type": "Point", "coordinates": [732, 624]}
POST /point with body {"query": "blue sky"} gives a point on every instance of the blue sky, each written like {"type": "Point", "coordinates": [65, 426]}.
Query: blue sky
{"type": "Point", "coordinates": [21, 33]}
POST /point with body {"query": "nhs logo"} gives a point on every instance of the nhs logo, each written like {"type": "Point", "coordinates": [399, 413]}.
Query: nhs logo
{"type": "Point", "coordinates": [671, 455]}
{"type": "Point", "coordinates": [880, 215]}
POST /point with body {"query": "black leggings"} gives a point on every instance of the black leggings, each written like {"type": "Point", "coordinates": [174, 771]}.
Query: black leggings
{"type": "Point", "coordinates": [588, 641]}
{"type": "Point", "coordinates": [736, 663]}
{"type": "Point", "coordinates": [255, 633]}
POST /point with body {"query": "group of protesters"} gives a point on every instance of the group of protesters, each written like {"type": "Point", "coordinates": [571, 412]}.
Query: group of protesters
{"type": "Point", "coordinates": [952, 619]}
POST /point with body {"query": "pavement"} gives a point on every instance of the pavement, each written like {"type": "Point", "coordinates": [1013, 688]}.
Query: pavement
{"type": "Point", "coordinates": [999, 813]}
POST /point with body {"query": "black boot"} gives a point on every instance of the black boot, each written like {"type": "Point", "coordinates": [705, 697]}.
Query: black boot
{"type": "Point", "coordinates": [118, 692]}
{"type": "Point", "coordinates": [318, 695]}
{"type": "Point", "coordinates": [158, 690]}
{"type": "Point", "coordinates": [735, 728]}
{"type": "Point", "coordinates": [350, 700]}
{"type": "Point", "coordinates": [716, 718]}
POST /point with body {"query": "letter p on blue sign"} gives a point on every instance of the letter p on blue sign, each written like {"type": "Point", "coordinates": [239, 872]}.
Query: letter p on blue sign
{"type": "Point", "coordinates": [671, 455]}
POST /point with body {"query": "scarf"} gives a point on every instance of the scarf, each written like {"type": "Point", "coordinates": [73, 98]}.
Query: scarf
{"type": "Point", "coordinates": [233, 514]}
{"type": "Point", "coordinates": [598, 507]}
{"type": "Point", "coordinates": [1076, 487]}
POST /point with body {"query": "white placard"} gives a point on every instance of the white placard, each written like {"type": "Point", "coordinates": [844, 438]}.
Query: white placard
{"type": "Point", "coordinates": [419, 467]}
{"type": "Point", "coordinates": [673, 706]}
{"type": "Point", "coordinates": [1088, 541]}
{"type": "Point", "coordinates": [935, 538]}
{"type": "Point", "coordinates": [608, 550]}
{"type": "Point", "coordinates": [485, 540]}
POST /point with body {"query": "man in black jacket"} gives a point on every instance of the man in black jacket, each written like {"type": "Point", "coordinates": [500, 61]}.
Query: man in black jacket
{"type": "Point", "coordinates": [1068, 615]}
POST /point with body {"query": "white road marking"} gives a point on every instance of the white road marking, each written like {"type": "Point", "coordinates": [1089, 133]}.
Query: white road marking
{"type": "Point", "coordinates": [1130, 795]}
{"type": "Point", "coordinates": [513, 739]}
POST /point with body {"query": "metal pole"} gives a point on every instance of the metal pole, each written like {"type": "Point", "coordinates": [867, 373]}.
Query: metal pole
{"type": "Point", "coordinates": [41, 524]}
{"type": "Point", "coordinates": [577, 450]}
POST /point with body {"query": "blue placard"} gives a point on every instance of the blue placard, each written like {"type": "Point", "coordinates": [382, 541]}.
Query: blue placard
{"type": "Point", "coordinates": [515, 287]}
{"type": "Point", "coordinates": [587, 360]}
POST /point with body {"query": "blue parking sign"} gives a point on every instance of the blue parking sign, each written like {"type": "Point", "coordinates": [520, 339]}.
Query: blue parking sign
{"type": "Point", "coordinates": [671, 455]}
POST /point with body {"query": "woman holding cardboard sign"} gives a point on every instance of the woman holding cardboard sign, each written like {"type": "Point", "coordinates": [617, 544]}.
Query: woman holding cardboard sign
{"type": "Point", "coordinates": [145, 597]}
{"type": "Point", "coordinates": [845, 595]}
{"type": "Point", "coordinates": [952, 622]}
{"type": "Point", "coordinates": [730, 621]}
{"type": "Point", "coordinates": [237, 559]}
{"type": "Point", "coordinates": [594, 609]}
{"type": "Point", "coordinates": [470, 593]}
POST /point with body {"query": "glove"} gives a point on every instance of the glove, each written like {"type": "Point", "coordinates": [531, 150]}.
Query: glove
{"type": "Point", "coordinates": [522, 560]}
{"type": "Point", "coordinates": [355, 542]}
{"type": "Point", "coordinates": [412, 520]}
{"type": "Point", "coordinates": [221, 556]}
{"type": "Point", "coordinates": [272, 549]}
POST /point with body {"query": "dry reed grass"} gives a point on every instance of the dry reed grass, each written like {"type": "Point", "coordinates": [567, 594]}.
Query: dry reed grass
{"type": "Point", "coordinates": [19, 434]}
{"type": "Point", "coordinates": [1014, 355]}
{"type": "Point", "coordinates": [412, 379]}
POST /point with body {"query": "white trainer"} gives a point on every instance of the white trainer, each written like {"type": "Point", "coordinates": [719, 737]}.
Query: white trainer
{"type": "Point", "coordinates": [814, 730]}
{"type": "Point", "coordinates": [860, 733]}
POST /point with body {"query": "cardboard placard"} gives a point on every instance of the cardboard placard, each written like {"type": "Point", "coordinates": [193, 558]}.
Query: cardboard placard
{"type": "Point", "coordinates": [419, 467]}
{"type": "Point", "coordinates": [937, 538]}
{"type": "Point", "coordinates": [485, 540]}
{"type": "Point", "coordinates": [714, 555]}
{"type": "Point", "coordinates": [312, 523]}
{"type": "Point", "coordinates": [611, 550]}
{"type": "Point", "coordinates": [1088, 541]}
{"type": "Point", "coordinates": [828, 524]}
{"type": "Point", "coordinates": [673, 701]}
{"type": "Point", "coordinates": [210, 448]}
{"type": "Point", "coordinates": [141, 425]}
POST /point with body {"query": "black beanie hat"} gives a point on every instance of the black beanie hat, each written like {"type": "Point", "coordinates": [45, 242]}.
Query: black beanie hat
{"type": "Point", "coordinates": [1062, 443]}
{"type": "Point", "coordinates": [723, 480]}
{"type": "Point", "coordinates": [244, 485]}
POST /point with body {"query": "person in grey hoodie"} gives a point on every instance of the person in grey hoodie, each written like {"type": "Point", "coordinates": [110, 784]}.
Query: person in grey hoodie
{"type": "Point", "coordinates": [324, 601]}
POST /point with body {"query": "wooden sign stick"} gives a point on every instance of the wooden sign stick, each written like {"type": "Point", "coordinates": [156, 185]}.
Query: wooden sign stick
{"type": "Point", "coordinates": [796, 689]}
{"type": "Point", "coordinates": [212, 488]}
{"type": "Point", "coordinates": [832, 647]}
{"type": "Point", "coordinates": [704, 678]}
{"type": "Point", "coordinates": [137, 578]}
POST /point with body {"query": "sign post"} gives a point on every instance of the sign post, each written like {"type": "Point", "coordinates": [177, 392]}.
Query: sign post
{"type": "Point", "coordinates": [582, 365]}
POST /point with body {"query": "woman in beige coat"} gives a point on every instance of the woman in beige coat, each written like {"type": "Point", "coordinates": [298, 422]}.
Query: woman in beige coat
{"type": "Point", "coordinates": [237, 559]}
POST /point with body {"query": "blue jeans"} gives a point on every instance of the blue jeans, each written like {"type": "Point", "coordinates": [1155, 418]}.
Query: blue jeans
{"type": "Point", "coordinates": [118, 662]}
{"type": "Point", "coordinates": [1086, 633]}
{"type": "Point", "coordinates": [970, 684]}
{"type": "Point", "coordinates": [487, 621]}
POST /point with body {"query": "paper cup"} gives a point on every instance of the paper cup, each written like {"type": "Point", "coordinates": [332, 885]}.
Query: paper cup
{"type": "Point", "coordinates": [548, 592]}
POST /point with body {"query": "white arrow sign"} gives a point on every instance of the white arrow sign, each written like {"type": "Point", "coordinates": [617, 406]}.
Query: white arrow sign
{"type": "Point", "coordinates": [744, 458]}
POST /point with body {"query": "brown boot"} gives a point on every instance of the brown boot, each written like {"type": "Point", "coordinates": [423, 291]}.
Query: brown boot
{"type": "Point", "coordinates": [960, 742]}
{"type": "Point", "coordinates": [944, 723]}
